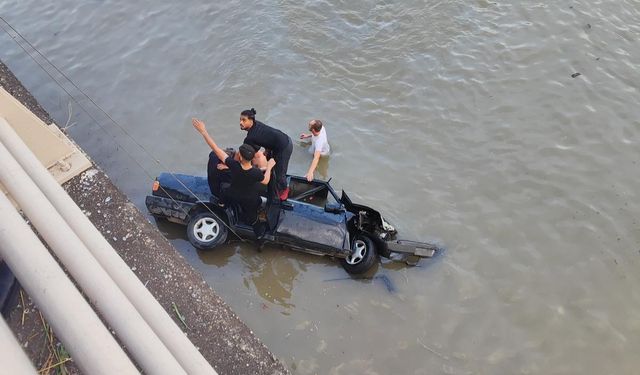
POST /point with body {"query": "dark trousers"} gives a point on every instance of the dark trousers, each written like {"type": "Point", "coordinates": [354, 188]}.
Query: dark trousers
{"type": "Point", "coordinates": [282, 164]}
{"type": "Point", "coordinates": [215, 177]}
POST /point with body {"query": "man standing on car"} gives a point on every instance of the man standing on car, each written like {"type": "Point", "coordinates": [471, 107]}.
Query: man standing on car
{"type": "Point", "coordinates": [277, 143]}
{"type": "Point", "coordinates": [218, 174]}
{"type": "Point", "coordinates": [245, 178]}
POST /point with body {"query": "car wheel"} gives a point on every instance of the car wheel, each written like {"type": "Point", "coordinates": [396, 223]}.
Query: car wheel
{"type": "Point", "coordinates": [206, 231]}
{"type": "Point", "coordinates": [363, 255]}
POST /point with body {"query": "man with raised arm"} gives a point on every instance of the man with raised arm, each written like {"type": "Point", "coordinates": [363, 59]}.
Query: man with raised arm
{"type": "Point", "coordinates": [245, 178]}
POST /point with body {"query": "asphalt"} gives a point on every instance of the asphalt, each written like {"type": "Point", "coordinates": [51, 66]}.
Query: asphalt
{"type": "Point", "coordinates": [224, 340]}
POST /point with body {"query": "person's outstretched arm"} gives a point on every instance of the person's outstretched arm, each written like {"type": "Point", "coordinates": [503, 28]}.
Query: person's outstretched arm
{"type": "Point", "coordinates": [200, 127]}
{"type": "Point", "coordinates": [259, 161]}
{"type": "Point", "coordinates": [267, 173]}
{"type": "Point", "coordinates": [312, 167]}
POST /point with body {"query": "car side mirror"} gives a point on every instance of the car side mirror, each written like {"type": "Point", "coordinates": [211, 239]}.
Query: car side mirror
{"type": "Point", "coordinates": [334, 208]}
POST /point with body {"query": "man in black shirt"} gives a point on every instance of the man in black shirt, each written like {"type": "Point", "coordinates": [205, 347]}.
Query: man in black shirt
{"type": "Point", "coordinates": [245, 179]}
{"type": "Point", "coordinates": [273, 140]}
{"type": "Point", "coordinates": [218, 174]}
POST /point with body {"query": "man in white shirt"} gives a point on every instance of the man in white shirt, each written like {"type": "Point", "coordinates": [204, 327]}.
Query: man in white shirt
{"type": "Point", "coordinates": [319, 145]}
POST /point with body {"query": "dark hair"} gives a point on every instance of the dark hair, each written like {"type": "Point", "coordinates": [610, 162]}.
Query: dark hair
{"type": "Point", "coordinates": [249, 113]}
{"type": "Point", "coordinates": [315, 125]}
{"type": "Point", "coordinates": [247, 151]}
{"type": "Point", "coordinates": [230, 151]}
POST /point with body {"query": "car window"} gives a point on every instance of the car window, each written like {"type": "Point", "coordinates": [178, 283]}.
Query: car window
{"type": "Point", "coordinates": [318, 198]}
{"type": "Point", "coordinates": [331, 200]}
{"type": "Point", "coordinates": [309, 192]}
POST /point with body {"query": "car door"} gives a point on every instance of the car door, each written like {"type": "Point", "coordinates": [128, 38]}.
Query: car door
{"type": "Point", "coordinates": [310, 226]}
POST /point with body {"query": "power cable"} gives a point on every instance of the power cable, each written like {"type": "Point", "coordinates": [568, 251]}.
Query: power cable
{"type": "Point", "coordinates": [151, 156]}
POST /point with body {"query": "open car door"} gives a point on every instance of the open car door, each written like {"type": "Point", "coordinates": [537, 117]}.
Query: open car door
{"type": "Point", "coordinates": [313, 219]}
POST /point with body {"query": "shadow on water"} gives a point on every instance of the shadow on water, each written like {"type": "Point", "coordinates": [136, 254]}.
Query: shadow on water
{"type": "Point", "coordinates": [383, 279]}
{"type": "Point", "coordinates": [370, 277]}
{"type": "Point", "coordinates": [171, 231]}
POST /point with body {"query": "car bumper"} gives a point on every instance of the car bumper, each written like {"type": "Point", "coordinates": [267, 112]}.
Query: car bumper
{"type": "Point", "coordinates": [419, 249]}
{"type": "Point", "coordinates": [168, 208]}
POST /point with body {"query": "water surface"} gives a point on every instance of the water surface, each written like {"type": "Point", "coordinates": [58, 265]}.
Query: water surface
{"type": "Point", "coordinates": [459, 120]}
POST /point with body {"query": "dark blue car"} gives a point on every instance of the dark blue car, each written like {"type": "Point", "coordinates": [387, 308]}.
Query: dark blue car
{"type": "Point", "coordinates": [314, 220]}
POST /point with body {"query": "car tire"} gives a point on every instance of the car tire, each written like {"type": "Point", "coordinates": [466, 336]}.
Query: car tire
{"type": "Point", "coordinates": [363, 256]}
{"type": "Point", "coordinates": [206, 231]}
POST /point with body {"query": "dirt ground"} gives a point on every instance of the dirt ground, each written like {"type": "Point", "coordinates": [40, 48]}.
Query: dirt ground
{"type": "Point", "coordinates": [222, 338]}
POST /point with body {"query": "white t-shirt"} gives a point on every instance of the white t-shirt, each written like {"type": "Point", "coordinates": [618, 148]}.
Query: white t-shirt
{"type": "Point", "coordinates": [320, 143]}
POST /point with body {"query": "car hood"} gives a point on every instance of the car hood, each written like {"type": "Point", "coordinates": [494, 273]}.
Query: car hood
{"type": "Point", "coordinates": [372, 213]}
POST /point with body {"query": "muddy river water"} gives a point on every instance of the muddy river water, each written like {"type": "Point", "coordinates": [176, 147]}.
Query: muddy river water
{"type": "Point", "coordinates": [464, 122]}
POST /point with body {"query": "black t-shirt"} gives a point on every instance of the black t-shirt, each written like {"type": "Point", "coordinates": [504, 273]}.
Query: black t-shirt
{"type": "Point", "coordinates": [261, 135]}
{"type": "Point", "coordinates": [244, 183]}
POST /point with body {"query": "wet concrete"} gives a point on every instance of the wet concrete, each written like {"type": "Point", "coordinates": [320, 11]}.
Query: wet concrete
{"type": "Point", "coordinates": [223, 339]}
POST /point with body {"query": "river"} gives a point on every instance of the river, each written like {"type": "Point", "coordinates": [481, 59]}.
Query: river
{"type": "Point", "coordinates": [464, 122]}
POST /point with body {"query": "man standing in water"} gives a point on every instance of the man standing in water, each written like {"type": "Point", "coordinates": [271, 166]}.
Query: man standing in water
{"type": "Point", "coordinates": [319, 145]}
{"type": "Point", "coordinates": [273, 140]}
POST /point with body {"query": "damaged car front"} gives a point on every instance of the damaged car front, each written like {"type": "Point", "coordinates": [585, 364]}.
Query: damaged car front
{"type": "Point", "coordinates": [370, 222]}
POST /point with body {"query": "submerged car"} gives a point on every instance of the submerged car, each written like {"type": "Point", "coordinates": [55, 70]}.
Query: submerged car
{"type": "Point", "coordinates": [314, 219]}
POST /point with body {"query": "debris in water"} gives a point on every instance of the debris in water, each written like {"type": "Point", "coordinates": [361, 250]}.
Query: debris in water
{"type": "Point", "coordinates": [387, 283]}
{"type": "Point", "coordinates": [431, 350]}
{"type": "Point", "coordinates": [574, 75]}
{"type": "Point", "coordinates": [391, 288]}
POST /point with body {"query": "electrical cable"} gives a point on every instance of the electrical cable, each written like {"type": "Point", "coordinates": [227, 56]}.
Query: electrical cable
{"type": "Point", "coordinates": [149, 154]}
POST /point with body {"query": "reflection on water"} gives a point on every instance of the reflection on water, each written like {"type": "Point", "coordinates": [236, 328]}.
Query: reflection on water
{"type": "Point", "coordinates": [219, 256]}
{"type": "Point", "coordinates": [271, 272]}
{"type": "Point", "coordinates": [273, 278]}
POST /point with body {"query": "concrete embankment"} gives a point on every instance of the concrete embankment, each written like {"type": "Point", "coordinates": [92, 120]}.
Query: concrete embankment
{"type": "Point", "coordinates": [223, 339]}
